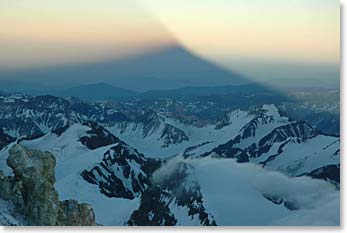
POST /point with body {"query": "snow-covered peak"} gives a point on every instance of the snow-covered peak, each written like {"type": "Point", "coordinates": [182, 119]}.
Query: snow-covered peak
{"type": "Point", "coordinates": [271, 110]}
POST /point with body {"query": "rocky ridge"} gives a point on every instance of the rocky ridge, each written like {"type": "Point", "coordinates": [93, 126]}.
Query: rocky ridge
{"type": "Point", "coordinates": [32, 191]}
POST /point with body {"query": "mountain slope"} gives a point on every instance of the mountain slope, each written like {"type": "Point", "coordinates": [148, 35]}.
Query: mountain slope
{"type": "Point", "coordinates": [112, 175]}
{"type": "Point", "coordinates": [162, 162]}
{"type": "Point", "coordinates": [72, 159]}
{"type": "Point", "coordinates": [28, 116]}
{"type": "Point", "coordinates": [293, 148]}
{"type": "Point", "coordinates": [163, 136]}
{"type": "Point", "coordinates": [124, 187]}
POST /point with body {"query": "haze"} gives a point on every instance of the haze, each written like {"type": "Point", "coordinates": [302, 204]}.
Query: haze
{"type": "Point", "coordinates": [232, 33]}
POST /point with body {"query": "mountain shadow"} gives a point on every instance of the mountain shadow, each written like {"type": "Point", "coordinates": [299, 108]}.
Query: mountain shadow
{"type": "Point", "coordinates": [166, 68]}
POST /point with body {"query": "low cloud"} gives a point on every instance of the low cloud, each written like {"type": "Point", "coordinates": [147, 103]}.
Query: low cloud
{"type": "Point", "coordinates": [318, 201]}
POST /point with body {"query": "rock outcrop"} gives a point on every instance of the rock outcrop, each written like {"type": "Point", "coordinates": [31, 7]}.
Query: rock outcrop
{"type": "Point", "coordinates": [34, 174]}
{"type": "Point", "coordinates": [178, 189]}
{"type": "Point", "coordinates": [5, 139]}
{"type": "Point", "coordinates": [74, 214]}
{"type": "Point", "coordinates": [32, 190]}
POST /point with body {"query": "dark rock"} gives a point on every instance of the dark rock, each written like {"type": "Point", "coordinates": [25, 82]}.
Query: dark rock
{"type": "Point", "coordinates": [123, 172]}
{"type": "Point", "coordinates": [173, 135]}
{"type": "Point", "coordinates": [5, 139]}
{"type": "Point", "coordinates": [98, 137]}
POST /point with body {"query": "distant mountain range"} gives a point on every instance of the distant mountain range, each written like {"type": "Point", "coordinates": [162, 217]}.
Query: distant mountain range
{"type": "Point", "coordinates": [206, 91]}
{"type": "Point", "coordinates": [103, 91]}
{"type": "Point", "coordinates": [166, 68]}
{"type": "Point", "coordinates": [90, 92]}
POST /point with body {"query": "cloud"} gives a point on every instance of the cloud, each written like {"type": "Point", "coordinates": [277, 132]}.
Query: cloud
{"type": "Point", "coordinates": [232, 192]}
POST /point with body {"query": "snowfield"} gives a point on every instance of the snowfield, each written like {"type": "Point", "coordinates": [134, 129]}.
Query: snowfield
{"type": "Point", "coordinates": [234, 195]}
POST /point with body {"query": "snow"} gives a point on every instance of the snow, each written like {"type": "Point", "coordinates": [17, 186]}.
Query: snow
{"type": "Point", "coordinates": [108, 211]}
{"type": "Point", "coordinates": [8, 100]}
{"type": "Point", "coordinates": [12, 132]}
{"type": "Point", "coordinates": [299, 158]}
{"type": "Point", "coordinates": [204, 138]}
{"type": "Point", "coordinates": [231, 198]}
{"type": "Point", "coordinates": [181, 214]}
{"type": "Point", "coordinates": [9, 216]}
{"type": "Point", "coordinates": [232, 192]}
{"type": "Point", "coordinates": [118, 170]}
{"type": "Point", "coordinates": [263, 129]}
{"type": "Point", "coordinates": [233, 195]}
{"type": "Point", "coordinates": [72, 158]}
{"type": "Point", "coordinates": [4, 153]}
{"type": "Point", "coordinates": [151, 144]}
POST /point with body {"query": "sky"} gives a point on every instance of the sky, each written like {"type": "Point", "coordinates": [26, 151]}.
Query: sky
{"type": "Point", "coordinates": [307, 30]}
{"type": "Point", "coordinates": [41, 32]}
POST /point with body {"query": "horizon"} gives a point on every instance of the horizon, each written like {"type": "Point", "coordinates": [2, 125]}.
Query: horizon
{"type": "Point", "coordinates": [40, 34]}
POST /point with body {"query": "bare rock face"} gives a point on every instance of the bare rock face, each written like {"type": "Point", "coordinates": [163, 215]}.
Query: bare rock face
{"type": "Point", "coordinates": [32, 190]}
{"type": "Point", "coordinates": [75, 214]}
{"type": "Point", "coordinates": [35, 171]}
{"type": "Point", "coordinates": [11, 190]}
{"type": "Point", "coordinates": [5, 139]}
{"type": "Point", "coordinates": [5, 187]}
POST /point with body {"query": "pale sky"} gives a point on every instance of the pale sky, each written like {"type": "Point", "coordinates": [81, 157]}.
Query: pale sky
{"type": "Point", "coordinates": [36, 32]}
{"type": "Point", "coordinates": [40, 32]}
{"type": "Point", "coordinates": [299, 30]}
